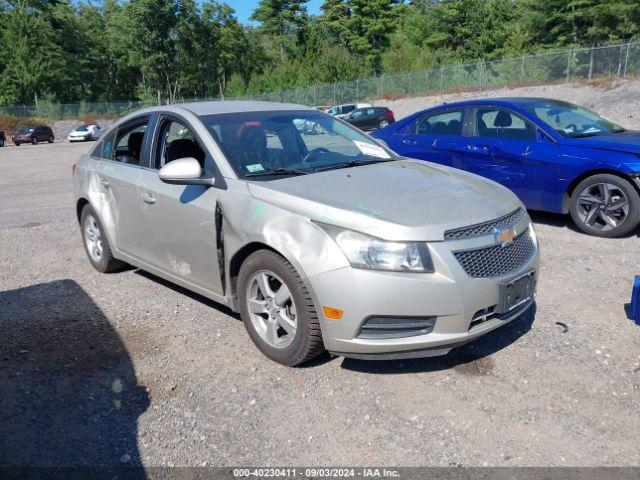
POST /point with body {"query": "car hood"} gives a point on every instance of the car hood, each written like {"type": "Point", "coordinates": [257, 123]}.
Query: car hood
{"type": "Point", "coordinates": [401, 200]}
{"type": "Point", "coordinates": [627, 141]}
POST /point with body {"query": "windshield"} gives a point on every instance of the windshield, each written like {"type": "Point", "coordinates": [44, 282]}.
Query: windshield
{"type": "Point", "coordinates": [26, 130]}
{"type": "Point", "coordinates": [82, 128]}
{"type": "Point", "coordinates": [570, 120]}
{"type": "Point", "coordinates": [267, 145]}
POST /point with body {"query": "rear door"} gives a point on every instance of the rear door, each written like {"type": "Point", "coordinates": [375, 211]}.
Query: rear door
{"type": "Point", "coordinates": [118, 174]}
{"type": "Point", "coordinates": [435, 137]}
{"type": "Point", "coordinates": [179, 221]}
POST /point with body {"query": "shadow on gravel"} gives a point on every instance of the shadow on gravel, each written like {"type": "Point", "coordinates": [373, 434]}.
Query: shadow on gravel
{"type": "Point", "coordinates": [195, 296]}
{"type": "Point", "coordinates": [69, 396]}
{"type": "Point", "coordinates": [554, 220]}
{"type": "Point", "coordinates": [472, 359]}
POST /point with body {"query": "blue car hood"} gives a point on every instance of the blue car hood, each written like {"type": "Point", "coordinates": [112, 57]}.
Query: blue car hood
{"type": "Point", "coordinates": [627, 141]}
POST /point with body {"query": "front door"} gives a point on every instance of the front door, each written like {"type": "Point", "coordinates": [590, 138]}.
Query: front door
{"type": "Point", "coordinates": [506, 148]}
{"type": "Point", "coordinates": [179, 221]}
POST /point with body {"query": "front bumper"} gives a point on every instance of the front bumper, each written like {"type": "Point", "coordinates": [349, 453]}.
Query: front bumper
{"type": "Point", "coordinates": [461, 306]}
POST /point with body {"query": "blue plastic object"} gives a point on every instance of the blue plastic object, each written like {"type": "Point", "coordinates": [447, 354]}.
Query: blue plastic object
{"type": "Point", "coordinates": [634, 308]}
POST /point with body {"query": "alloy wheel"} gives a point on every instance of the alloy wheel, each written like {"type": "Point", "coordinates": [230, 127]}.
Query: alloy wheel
{"type": "Point", "coordinates": [603, 206]}
{"type": "Point", "coordinates": [93, 238]}
{"type": "Point", "coordinates": [272, 309]}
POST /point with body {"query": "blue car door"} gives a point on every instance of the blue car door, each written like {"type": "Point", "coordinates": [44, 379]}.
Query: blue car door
{"type": "Point", "coordinates": [509, 149]}
{"type": "Point", "coordinates": [432, 137]}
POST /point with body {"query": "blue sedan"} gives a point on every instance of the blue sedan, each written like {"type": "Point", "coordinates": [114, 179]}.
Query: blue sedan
{"type": "Point", "coordinates": [555, 156]}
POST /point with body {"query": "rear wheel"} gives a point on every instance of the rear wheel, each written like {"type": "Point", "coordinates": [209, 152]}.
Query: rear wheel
{"type": "Point", "coordinates": [277, 309]}
{"type": "Point", "coordinates": [1, 142]}
{"type": "Point", "coordinates": [605, 205]}
{"type": "Point", "coordinates": [96, 243]}
{"type": "Point", "coordinates": [17, 144]}
{"type": "Point", "coordinates": [50, 139]}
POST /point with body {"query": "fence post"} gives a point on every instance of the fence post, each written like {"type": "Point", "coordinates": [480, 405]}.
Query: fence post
{"type": "Point", "coordinates": [357, 90]}
{"type": "Point", "coordinates": [626, 60]}
{"type": "Point", "coordinates": [568, 64]}
{"type": "Point", "coordinates": [25, 110]}
{"type": "Point", "coordinates": [441, 80]}
{"type": "Point", "coordinates": [522, 70]}
{"type": "Point", "coordinates": [334, 93]}
{"type": "Point", "coordinates": [314, 95]}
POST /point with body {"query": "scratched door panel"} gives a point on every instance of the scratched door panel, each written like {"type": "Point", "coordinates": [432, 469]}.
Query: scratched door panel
{"type": "Point", "coordinates": [178, 222]}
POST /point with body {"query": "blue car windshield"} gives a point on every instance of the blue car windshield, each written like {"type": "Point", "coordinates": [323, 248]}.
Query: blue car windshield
{"type": "Point", "coordinates": [570, 120]}
{"type": "Point", "coordinates": [269, 144]}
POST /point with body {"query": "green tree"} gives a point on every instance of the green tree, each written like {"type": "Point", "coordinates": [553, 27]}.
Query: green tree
{"type": "Point", "coordinates": [283, 20]}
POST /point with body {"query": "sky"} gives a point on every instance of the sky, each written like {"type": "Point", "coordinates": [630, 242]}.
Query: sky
{"type": "Point", "coordinates": [244, 8]}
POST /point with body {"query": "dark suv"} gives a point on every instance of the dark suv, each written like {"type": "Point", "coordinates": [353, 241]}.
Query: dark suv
{"type": "Point", "coordinates": [39, 133]}
{"type": "Point", "coordinates": [370, 118]}
{"type": "Point", "coordinates": [2, 138]}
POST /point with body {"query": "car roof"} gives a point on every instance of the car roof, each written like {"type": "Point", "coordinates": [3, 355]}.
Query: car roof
{"type": "Point", "coordinates": [499, 101]}
{"type": "Point", "coordinates": [223, 106]}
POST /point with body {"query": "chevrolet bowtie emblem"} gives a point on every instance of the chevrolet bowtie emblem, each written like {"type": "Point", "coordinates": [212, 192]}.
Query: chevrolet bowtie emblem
{"type": "Point", "coordinates": [504, 236]}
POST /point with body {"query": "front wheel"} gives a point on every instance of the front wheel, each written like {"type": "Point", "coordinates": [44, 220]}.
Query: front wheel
{"type": "Point", "coordinates": [1, 142]}
{"type": "Point", "coordinates": [50, 139]}
{"type": "Point", "coordinates": [34, 140]}
{"type": "Point", "coordinates": [96, 243]}
{"type": "Point", "coordinates": [277, 310]}
{"type": "Point", "coordinates": [606, 206]}
{"type": "Point", "coordinates": [17, 144]}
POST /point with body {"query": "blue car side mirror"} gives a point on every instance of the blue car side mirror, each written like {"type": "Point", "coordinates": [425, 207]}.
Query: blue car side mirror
{"type": "Point", "coordinates": [540, 137]}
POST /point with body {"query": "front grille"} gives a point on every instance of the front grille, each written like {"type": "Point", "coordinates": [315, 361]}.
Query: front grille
{"type": "Point", "coordinates": [484, 228]}
{"type": "Point", "coordinates": [497, 261]}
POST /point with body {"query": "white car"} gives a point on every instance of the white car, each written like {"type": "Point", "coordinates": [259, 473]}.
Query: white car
{"type": "Point", "coordinates": [85, 133]}
{"type": "Point", "coordinates": [341, 111]}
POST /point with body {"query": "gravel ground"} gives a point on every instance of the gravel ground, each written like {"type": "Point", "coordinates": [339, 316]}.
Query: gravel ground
{"type": "Point", "coordinates": [127, 369]}
{"type": "Point", "coordinates": [618, 100]}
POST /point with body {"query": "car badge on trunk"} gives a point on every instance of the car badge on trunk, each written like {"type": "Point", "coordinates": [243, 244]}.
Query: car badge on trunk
{"type": "Point", "coordinates": [504, 236]}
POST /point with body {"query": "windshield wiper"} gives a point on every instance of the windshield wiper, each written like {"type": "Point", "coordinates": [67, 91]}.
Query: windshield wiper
{"type": "Point", "coordinates": [352, 163]}
{"type": "Point", "coordinates": [583, 135]}
{"type": "Point", "coordinates": [277, 171]}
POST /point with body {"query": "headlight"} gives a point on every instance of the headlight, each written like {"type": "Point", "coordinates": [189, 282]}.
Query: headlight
{"type": "Point", "coordinates": [532, 232]}
{"type": "Point", "coordinates": [364, 251]}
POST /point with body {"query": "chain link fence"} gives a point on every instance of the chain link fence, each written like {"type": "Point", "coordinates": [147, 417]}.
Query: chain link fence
{"type": "Point", "coordinates": [612, 61]}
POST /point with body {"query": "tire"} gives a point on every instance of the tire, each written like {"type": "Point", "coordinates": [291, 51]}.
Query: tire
{"type": "Point", "coordinates": [105, 262]}
{"type": "Point", "coordinates": [50, 139]}
{"type": "Point", "coordinates": [605, 205]}
{"type": "Point", "coordinates": [285, 348]}
{"type": "Point", "coordinates": [1, 142]}
{"type": "Point", "coordinates": [17, 144]}
{"type": "Point", "coordinates": [34, 140]}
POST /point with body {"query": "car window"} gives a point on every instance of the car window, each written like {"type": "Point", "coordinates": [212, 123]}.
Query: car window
{"type": "Point", "coordinates": [370, 111]}
{"type": "Point", "coordinates": [176, 141]}
{"type": "Point", "coordinates": [348, 108]}
{"type": "Point", "coordinates": [129, 142]}
{"type": "Point", "coordinates": [441, 123]}
{"type": "Point", "coordinates": [256, 143]}
{"type": "Point", "coordinates": [357, 113]}
{"type": "Point", "coordinates": [499, 123]}
{"type": "Point", "coordinates": [105, 148]}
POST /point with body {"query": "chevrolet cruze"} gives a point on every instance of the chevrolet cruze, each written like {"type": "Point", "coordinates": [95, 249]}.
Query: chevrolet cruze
{"type": "Point", "coordinates": [320, 241]}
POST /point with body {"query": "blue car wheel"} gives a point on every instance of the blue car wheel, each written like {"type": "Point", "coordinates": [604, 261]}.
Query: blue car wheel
{"type": "Point", "coordinates": [605, 205]}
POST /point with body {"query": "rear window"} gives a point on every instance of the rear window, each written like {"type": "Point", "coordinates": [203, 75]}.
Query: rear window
{"type": "Point", "coordinates": [441, 123]}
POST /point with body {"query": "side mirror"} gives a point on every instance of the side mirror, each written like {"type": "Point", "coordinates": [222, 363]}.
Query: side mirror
{"type": "Point", "coordinates": [540, 136]}
{"type": "Point", "coordinates": [184, 171]}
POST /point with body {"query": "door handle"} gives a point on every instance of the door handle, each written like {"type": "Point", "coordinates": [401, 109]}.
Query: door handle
{"type": "Point", "coordinates": [409, 142]}
{"type": "Point", "coordinates": [478, 148]}
{"type": "Point", "coordinates": [148, 198]}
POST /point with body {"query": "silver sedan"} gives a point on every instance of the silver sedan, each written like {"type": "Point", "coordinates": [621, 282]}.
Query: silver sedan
{"type": "Point", "coordinates": [321, 238]}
